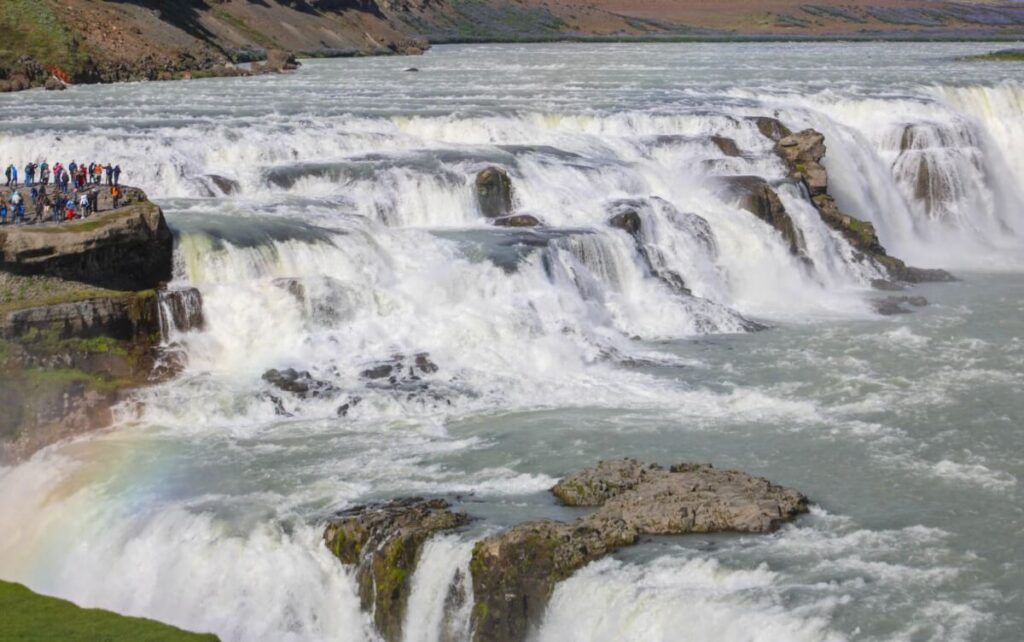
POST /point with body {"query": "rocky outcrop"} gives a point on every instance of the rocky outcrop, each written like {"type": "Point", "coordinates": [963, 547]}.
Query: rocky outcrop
{"type": "Point", "coordinates": [757, 197]}
{"type": "Point", "coordinates": [383, 543]}
{"type": "Point", "coordinates": [69, 349]}
{"type": "Point", "coordinates": [517, 220]}
{"type": "Point", "coordinates": [727, 146]}
{"type": "Point", "coordinates": [494, 192]}
{"type": "Point", "coordinates": [515, 572]}
{"type": "Point", "coordinates": [771, 128]}
{"type": "Point", "coordinates": [892, 305]}
{"type": "Point", "coordinates": [129, 248]}
{"type": "Point", "coordinates": [802, 154]}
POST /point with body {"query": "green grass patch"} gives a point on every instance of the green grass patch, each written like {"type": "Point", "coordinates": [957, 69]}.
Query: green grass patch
{"type": "Point", "coordinates": [35, 28]}
{"type": "Point", "coordinates": [1008, 55]}
{"type": "Point", "coordinates": [26, 616]}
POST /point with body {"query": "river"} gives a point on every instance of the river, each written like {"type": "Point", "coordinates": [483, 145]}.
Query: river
{"type": "Point", "coordinates": [351, 182]}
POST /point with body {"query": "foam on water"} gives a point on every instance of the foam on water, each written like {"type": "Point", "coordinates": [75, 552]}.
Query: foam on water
{"type": "Point", "coordinates": [331, 226]}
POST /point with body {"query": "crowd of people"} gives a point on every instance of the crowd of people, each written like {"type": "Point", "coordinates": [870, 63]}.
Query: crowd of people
{"type": "Point", "coordinates": [57, 193]}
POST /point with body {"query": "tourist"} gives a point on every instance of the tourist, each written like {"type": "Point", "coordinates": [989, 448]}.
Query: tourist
{"type": "Point", "coordinates": [41, 203]}
{"type": "Point", "coordinates": [65, 181]}
{"type": "Point", "coordinates": [109, 169]}
{"type": "Point", "coordinates": [12, 175]}
{"type": "Point", "coordinates": [44, 173]}
{"type": "Point", "coordinates": [73, 168]}
{"type": "Point", "coordinates": [3, 210]}
{"type": "Point", "coordinates": [70, 209]}
{"type": "Point", "coordinates": [94, 200]}
{"type": "Point", "coordinates": [117, 174]}
{"type": "Point", "coordinates": [97, 175]}
{"type": "Point", "coordinates": [115, 196]}
{"type": "Point", "coordinates": [59, 203]}
{"type": "Point", "coordinates": [83, 205]}
{"type": "Point", "coordinates": [18, 206]}
{"type": "Point", "coordinates": [83, 176]}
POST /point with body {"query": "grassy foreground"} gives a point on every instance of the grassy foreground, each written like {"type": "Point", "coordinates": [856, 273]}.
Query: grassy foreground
{"type": "Point", "coordinates": [26, 616]}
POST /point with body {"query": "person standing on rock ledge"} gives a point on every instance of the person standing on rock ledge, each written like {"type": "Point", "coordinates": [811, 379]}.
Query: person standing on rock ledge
{"type": "Point", "coordinates": [115, 196]}
{"type": "Point", "coordinates": [117, 174]}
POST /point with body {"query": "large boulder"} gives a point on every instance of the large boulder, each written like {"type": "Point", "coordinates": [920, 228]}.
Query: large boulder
{"type": "Point", "coordinates": [494, 192]}
{"type": "Point", "coordinates": [515, 572]}
{"type": "Point", "coordinates": [383, 543]}
{"type": "Point", "coordinates": [300, 383]}
{"type": "Point", "coordinates": [279, 61]}
{"type": "Point", "coordinates": [771, 128]}
{"type": "Point", "coordinates": [757, 197]}
{"type": "Point", "coordinates": [129, 248]}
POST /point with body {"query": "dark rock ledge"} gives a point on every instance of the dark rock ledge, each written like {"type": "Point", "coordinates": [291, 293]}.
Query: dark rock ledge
{"type": "Point", "coordinates": [514, 572]}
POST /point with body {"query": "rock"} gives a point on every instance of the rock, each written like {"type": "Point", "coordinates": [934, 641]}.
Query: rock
{"type": "Point", "coordinates": [726, 145]}
{"type": "Point", "coordinates": [183, 309]}
{"type": "Point", "coordinates": [894, 304]}
{"type": "Point", "coordinates": [127, 249]}
{"type": "Point", "coordinates": [771, 128]}
{"type": "Point", "coordinates": [757, 197]}
{"type": "Point", "coordinates": [802, 153]}
{"type": "Point", "coordinates": [515, 572]}
{"type": "Point", "coordinates": [628, 220]}
{"type": "Point", "coordinates": [226, 185]}
{"type": "Point", "coordinates": [54, 84]}
{"type": "Point", "coordinates": [494, 192]}
{"type": "Point", "coordinates": [411, 69]}
{"type": "Point", "coordinates": [126, 317]}
{"type": "Point", "coordinates": [398, 369]}
{"type": "Point", "coordinates": [279, 61]}
{"type": "Point", "coordinates": [595, 486]}
{"type": "Point", "coordinates": [300, 383]}
{"type": "Point", "coordinates": [383, 543]}
{"type": "Point", "coordinates": [517, 220]}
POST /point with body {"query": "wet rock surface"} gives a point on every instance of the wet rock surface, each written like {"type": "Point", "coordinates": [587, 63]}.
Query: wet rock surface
{"type": "Point", "coordinates": [300, 383]}
{"type": "Point", "coordinates": [494, 192]}
{"type": "Point", "coordinates": [514, 572]}
{"type": "Point", "coordinates": [802, 153]}
{"type": "Point", "coordinates": [383, 542]}
{"type": "Point", "coordinates": [760, 199]}
{"type": "Point", "coordinates": [895, 304]}
{"type": "Point", "coordinates": [517, 220]}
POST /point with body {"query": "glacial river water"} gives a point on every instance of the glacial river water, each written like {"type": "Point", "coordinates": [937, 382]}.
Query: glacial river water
{"type": "Point", "coordinates": [351, 181]}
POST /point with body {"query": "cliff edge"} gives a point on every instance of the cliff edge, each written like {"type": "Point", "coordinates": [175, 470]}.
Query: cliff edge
{"type": "Point", "coordinates": [84, 314]}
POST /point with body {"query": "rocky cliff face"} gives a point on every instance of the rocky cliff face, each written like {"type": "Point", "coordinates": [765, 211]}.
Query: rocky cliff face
{"type": "Point", "coordinates": [130, 248]}
{"type": "Point", "coordinates": [802, 154]}
{"type": "Point", "coordinates": [83, 317]}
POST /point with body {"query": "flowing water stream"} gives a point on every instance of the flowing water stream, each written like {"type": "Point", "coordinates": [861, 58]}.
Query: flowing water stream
{"type": "Point", "coordinates": [328, 219]}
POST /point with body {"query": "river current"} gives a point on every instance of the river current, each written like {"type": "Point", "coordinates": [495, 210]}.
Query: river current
{"type": "Point", "coordinates": [351, 183]}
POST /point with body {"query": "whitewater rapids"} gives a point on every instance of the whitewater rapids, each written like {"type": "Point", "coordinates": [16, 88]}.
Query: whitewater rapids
{"type": "Point", "coordinates": [351, 184]}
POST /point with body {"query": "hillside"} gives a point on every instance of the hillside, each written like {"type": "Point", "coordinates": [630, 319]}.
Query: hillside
{"type": "Point", "coordinates": [106, 41]}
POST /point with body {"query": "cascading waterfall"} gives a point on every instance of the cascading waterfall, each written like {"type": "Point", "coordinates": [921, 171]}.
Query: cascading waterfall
{"type": "Point", "coordinates": [340, 237]}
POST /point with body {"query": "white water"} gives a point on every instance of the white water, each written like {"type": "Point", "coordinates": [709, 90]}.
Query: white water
{"type": "Point", "coordinates": [556, 348]}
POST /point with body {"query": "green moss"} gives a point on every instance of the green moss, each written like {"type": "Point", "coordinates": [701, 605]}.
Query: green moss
{"type": "Point", "coordinates": [864, 230]}
{"type": "Point", "coordinates": [28, 616]}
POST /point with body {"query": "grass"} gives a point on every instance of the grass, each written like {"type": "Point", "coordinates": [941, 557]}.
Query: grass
{"type": "Point", "coordinates": [26, 616]}
{"type": "Point", "coordinates": [35, 28]}
{"type": "Point", "coordinates": [1007, 55]}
